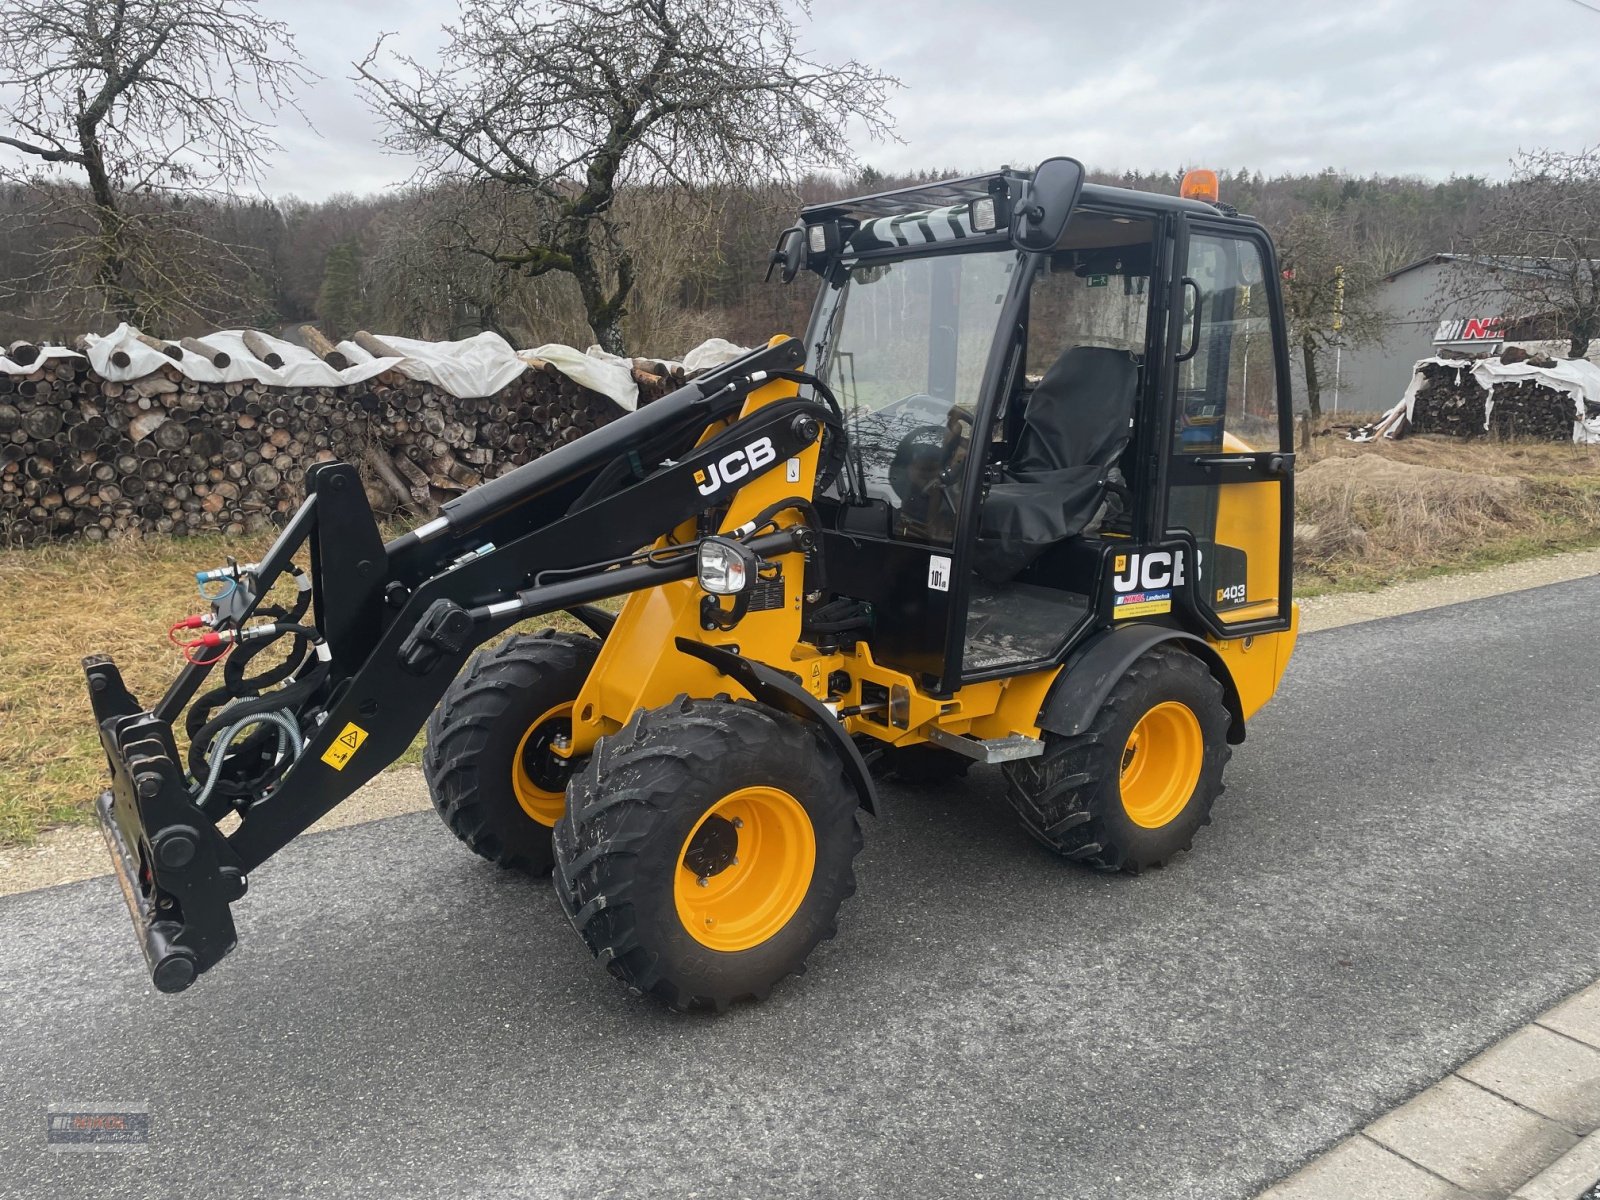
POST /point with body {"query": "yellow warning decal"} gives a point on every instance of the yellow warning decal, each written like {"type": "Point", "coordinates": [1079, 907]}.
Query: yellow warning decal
{"type": "Point", "coordinates": [1143, 608]}
{"type": "Point", "coordinates": [344, 746]}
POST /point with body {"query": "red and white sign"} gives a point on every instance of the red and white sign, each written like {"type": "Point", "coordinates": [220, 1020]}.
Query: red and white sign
{"type": "Point", "coordinates": [1474, 329]}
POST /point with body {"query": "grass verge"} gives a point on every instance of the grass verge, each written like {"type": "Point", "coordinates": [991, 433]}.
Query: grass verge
{"type": "Point", "coordinates": [61, 603]}
{"type": "Point", "coordinates": [1378, 513]}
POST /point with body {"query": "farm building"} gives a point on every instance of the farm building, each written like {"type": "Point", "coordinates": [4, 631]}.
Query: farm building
{"type": "Point", "coordinates": [1424, 321]}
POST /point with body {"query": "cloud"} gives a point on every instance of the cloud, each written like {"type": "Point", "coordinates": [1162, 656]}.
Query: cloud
{"type": "Point", "coordinates": [1424, 87]}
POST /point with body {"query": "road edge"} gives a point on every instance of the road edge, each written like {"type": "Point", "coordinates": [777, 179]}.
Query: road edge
{"type": "Point", "coordinates": [1518, 1120]}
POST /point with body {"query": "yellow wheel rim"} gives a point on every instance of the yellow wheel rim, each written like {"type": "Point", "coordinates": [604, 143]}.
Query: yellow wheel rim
{"type": "Point", "coordinates": [1161, 764]}
{"type": "Point", "coordinates": [537, 778]}
{"type": "Point", "coordinates": [744, 868]}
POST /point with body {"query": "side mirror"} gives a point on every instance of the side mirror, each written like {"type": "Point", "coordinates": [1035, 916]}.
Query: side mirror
{"type": "Point", "coordinates": [1047, 203]}
{"type": "Point", "coordinates": [790, 253]}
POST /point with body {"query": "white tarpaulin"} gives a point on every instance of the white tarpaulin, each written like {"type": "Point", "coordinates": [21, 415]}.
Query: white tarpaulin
{"type": "Point", "coordinates": [1576, 377]}
{"type": "Point", "coordinates": [473, 367]}
{"type": "Point", "coordinates": [587, 368]}
{"type": "Point", "coordinates": [610, 376]}
{"type": "Point", "coordinates": [712, 353]}
{"type": "Point", "coordinates": [46, 353]}
{"type": "Point", "coordinates": [470, 368]}
{"type": "Point", "coordinates": [301, 368]}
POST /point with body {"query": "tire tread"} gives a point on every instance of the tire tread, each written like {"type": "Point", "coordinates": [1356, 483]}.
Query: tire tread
{"type": "Point", "coordinates": [1068, 815]}
{"type": "Point", "coordinates": [615, 803]}
{"type": "Point", "coordinates": [476, 703]}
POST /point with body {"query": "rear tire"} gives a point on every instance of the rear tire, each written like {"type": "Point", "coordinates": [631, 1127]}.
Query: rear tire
{"type": "Point", "coordinates": [706, 850]}
{"type": "Point", "coordinates": [1132, 790]}
{"type": "Point", "coordinates": [488, 770]}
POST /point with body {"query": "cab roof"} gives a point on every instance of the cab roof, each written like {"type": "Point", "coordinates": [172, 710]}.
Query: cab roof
{"type": "Point", "coordinates": [949, 193]}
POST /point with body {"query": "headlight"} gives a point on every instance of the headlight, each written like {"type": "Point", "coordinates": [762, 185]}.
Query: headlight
{"type": "Point", "coordinates": [818, 235]}
{"type": "Point", "coordinates": [726, 568]}
{"type": "Point", "coordinates": [981, 215]}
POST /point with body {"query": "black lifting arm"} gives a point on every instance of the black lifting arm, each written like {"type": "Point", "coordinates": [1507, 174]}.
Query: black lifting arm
{"type": "Point", "coordinates": [392, 626]}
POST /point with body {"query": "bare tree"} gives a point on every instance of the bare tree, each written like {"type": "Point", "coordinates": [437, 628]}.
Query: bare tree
{"type": "Point", "coordinates": [1538, 247]}
{"type": "Point", "coordinates": [1329, 295]}
{"type": "Point", "coordinates": [422, 283]}
{"type": "Point", "coordinates": [558, 105]}
{"type": "Point", "coordinates": [122, 112]}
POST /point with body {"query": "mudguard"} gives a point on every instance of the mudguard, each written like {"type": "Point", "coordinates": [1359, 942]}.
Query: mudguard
{"type": "Point", "coordinates": [597, 619]}
{"type": "Point", "coordinates": [776, 690]}
{"type": "Point", "coordinates": [1093, 670]}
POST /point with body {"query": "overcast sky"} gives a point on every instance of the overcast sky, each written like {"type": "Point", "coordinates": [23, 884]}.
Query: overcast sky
{"type": "Point", "coordinates": [1425, 87]}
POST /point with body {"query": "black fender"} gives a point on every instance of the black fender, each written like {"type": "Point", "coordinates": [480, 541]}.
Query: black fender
{"type": "Point", "coordinates": [597, 619]}
{"type": "Point", "coordinates": [777, 690]}
{"type": "Point", "coordinates": [1093, 669]}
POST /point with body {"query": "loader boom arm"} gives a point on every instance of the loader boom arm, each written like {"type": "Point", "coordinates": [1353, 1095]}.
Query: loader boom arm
{"type": "Point", "coordinates": [395, 623]}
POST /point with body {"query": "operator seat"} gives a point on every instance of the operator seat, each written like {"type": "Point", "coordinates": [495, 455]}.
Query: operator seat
{"type": "Point", "coordinates": [1077, 424]}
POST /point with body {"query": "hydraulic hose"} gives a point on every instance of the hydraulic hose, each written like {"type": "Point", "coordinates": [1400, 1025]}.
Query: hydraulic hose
{"type": "Point", "coordinates": [285, 698]}
{"type": "Point", "coordinates": [290, 743]}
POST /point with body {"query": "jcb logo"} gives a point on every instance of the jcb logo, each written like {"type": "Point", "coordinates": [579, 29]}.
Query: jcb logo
{"type": "Point", "coordinates": [1148, 571]}
{"type": "Point", "coordinates": [731, 468]}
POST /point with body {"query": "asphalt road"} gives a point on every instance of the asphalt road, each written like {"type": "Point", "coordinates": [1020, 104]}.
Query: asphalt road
{"type": "Point", "coordinates": [1402, 870]}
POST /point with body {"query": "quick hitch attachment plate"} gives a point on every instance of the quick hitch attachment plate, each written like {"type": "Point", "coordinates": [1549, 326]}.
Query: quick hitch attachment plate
{"type": "Point", "coordinates": [177, 873]}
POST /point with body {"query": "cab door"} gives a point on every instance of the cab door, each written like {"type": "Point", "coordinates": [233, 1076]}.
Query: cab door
{"type": "Point", "coordinates": [1229, 476]}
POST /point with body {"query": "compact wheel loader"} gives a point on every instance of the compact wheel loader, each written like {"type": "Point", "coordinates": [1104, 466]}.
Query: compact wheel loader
{"type": "Point", "coordinates": [1022, 496]}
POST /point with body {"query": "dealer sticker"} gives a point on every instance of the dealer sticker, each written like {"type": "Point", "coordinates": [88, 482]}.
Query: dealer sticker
{"type": "Point", "coordinates": [1142, 604]}
{"type": "Point", "coordinates": [344, 746]}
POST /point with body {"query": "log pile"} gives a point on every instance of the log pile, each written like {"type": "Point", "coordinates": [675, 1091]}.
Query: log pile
{"type": "Point", "coordinates": [87, 457]}
{"type": "Point", "coordinates": [1525, 409]}
{"type": "Point", "coordinates": [1451, 402]}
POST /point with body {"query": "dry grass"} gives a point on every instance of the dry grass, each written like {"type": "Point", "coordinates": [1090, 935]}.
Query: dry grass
{"type": "Point", "coordinates": [58, 604]}
{"type": "Point", "coordinates": [61, 603]}
{"type": "Point", "coordinates": [1373, 513]}
{"type": "Point", "coordinates": [1368, 514]}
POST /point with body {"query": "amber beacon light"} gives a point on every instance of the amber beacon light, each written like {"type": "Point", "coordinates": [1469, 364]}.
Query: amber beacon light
{"type": "Point", "coordinates": [1201, 185]}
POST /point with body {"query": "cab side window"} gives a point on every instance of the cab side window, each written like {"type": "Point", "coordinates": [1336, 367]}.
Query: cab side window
{"type": "Point", "coordinates": [1226, 389]}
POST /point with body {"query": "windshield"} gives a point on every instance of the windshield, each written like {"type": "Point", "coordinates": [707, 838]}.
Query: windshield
{"type": "Point", "coordinates": [909, 343]}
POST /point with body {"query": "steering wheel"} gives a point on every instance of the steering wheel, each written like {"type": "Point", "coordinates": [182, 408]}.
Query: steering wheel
{"type": "Point", "coordinates": [927, 466]}
{"type": "Point", "coordinates": [959, 424]}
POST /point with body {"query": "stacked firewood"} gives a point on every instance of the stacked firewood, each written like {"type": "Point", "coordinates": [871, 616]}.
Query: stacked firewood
{"type": "Point", "coordinates": [1450, 401]}
{"type": "Point", "coordinates": [83, 456]}
{"type": "Point", "coordinates": [1526, 409]}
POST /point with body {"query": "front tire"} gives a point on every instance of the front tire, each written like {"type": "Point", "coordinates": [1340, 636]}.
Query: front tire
{"type": "Point", "coordinates": [1133, 789]}
{"type": "Point", "coordinates": [488, 766]}
{"type": "Point", "coordinates": [706, 850]}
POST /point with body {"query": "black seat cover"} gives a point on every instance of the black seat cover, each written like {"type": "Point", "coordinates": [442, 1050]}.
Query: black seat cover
{"type": "Point", "coordinates": [1075, 428]}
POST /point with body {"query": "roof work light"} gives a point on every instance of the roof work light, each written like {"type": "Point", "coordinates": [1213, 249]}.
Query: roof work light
{"type": "Point", "coordinates": [981, 215]}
